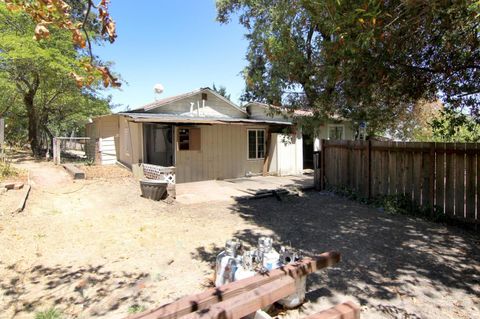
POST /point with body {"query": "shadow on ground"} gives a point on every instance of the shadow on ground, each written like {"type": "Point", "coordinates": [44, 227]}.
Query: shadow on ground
{"type": "Point", "coordinates": [394, 266]}
{"type": "Point", "coordinates": [89, 290]}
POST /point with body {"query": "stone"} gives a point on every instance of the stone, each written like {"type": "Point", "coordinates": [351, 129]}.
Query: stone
{"type": "Point", "coordinates": [8, 185]}
{"type": "Point", "coordinates": [18, 186]}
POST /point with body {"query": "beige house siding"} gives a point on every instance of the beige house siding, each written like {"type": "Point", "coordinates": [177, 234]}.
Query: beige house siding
{"type": "Point", "coordinates": [286, 154]}
{"type": "Point", "coordinates": [322, 133]}
{"type": "Point", "coordinates": [223, 154]}
{"type": "Point", "coordinates": [193, 106]}
{"type": "Point", "coordinates": [260, 112]}
{"type": "Point", "coordinates": [131, 142]}
{"type": "Point", "coordinates": [105, 129]}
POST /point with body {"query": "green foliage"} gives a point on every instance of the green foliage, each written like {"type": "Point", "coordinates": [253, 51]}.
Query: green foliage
{"type": "Point", "coordinates": [367, 60]}
{"type": "Point", "coordinates": [455, 126]}
{"type": "Point", "coordinates": [6, 168]}
{"type": "Point", "coordinates": [51, 313]}
{"type": "Point", "coordinates": [392, 204]}
{"type": "Point", "coordinates": [136, 309]}
{"type": "Point", "coordinates": [40, 98]}
{"type": "Point", "coordinates": [222, 90]}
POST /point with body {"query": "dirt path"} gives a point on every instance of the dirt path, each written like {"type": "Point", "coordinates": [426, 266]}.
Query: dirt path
{"type": "Point", "coordinates": [95, 248]}
{"type": "Point", "coordinates": [45, 175]}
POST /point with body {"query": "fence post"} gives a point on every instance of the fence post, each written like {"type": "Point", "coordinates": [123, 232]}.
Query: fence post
{"type": "Point", "coordinates": [55, 147]}
{"type": "Point", "coordinates": [316, 171]}
{"type": "Point", "coordinates": [432, 179]}
{"type": "Point", "coordinates": [322, 164]}
{"type": "Point", "coordinates": [369, 169]}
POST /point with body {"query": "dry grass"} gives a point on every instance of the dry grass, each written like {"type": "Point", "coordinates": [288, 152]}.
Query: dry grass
{"type": "Point", "coordinates": [105, 171]}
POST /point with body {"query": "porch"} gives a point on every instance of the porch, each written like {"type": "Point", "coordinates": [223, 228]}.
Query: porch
{"type": "Point", "coordinates": [220, 190]}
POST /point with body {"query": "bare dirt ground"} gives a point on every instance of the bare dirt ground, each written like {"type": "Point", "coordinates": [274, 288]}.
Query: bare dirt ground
{"type": "Point", "coordinates": [95, 248]}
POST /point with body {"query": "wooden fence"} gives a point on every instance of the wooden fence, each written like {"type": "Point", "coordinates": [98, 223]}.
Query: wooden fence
{"type": "Point", "coordinates": [442, 176]}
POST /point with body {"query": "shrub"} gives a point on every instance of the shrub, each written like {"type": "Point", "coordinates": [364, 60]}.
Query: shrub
{"type": "Point", "coordinates": [51, 313]}
{"type": "Point", "coordinates": [136, 309]}
{"type": "Point", "coordinates": [6, 169]}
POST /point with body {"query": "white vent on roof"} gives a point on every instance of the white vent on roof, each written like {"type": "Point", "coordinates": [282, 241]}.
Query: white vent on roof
{"type": "Point", "coordinates": [157, 90]}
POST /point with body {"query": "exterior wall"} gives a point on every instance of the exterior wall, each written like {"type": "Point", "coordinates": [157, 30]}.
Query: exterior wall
{"type": "Point", "coordinates": [131, 142]}
{"type": "Point", "coordinates": [223, 154]}
{"type": "Point", "coordinates": [287, 157]}
{"type": "Point", "coordinates": [260, 112]}
{"type": "Point", "coordinates": [105, 129]}
{"type": "Point", "coordinates": [322, 133]}
{"type": "Point", "coordinates": [193, 106]}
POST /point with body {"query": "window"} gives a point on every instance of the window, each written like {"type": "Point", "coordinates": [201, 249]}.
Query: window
{"type": "Point", "coordinates": [335, 132]}
{"type": "Point", "coordinates": [189, 139]}
{"type": "Point", "coordinates": [256, 144]}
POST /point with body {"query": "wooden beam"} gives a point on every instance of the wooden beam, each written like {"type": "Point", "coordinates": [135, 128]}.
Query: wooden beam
{"type": "Point", "coordinates": [203, 300]}
{"type": "Point", "coordinates": [248, 302]}
{"type": "Point", "coordinates": [346, 310]}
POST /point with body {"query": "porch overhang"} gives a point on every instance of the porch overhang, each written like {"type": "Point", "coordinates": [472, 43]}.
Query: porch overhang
{"type": "Point", "coordinates": [172, 119]}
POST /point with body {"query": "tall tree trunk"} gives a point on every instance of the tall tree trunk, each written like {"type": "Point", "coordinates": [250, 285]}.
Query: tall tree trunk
{"type": "Point", "coordinates": [33, 124]}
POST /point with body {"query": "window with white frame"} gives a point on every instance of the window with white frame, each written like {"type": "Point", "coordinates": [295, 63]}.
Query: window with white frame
{"type": "Point", "coordinates": [335, 132]}
{"type": "Point", "coordinates": [256, 143]}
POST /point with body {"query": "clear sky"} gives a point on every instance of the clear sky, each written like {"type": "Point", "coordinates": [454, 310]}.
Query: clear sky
{"type": "Point", "coordinates": [177, 43]}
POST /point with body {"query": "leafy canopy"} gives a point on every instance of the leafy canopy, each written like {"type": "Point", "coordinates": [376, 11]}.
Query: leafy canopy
{"type": "Point", "coordinates": [364, 59]}
{"type": "Point", "coordinates": [82, 19]}
{"type": "Point", "coordinates": [39, 99]}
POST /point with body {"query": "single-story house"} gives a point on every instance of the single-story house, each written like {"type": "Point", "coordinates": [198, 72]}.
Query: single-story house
{"type": "Point", "coordinates": [204, 136]}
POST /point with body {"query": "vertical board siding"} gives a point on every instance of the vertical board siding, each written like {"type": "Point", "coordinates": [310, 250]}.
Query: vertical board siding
{"type": "Point", "coordinates": [437, 177]}
{"type": "Point", "coordinates": [222, 155]}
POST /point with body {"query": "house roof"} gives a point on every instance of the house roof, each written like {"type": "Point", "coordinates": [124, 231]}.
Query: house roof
{"type": "Point", "coordinates": [178, 97]}
{"type": "Point", "coordinates": [294, 112]}
{"type": "Point", "coordinates": [173, 118]}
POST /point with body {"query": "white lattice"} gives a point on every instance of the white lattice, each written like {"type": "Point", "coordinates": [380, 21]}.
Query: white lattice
{"type": "Point", "coordinates": [162, 173]}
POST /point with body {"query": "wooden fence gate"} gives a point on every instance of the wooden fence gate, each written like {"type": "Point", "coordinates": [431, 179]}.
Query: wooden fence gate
{"type": "Point", "coordinates": [442, 176]}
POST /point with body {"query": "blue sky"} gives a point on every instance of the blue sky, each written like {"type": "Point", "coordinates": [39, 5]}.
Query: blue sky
{"type": "Point", "coordinates": [176, 43]}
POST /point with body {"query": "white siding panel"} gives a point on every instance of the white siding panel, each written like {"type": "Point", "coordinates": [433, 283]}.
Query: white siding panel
{"type": "Point", "coordinates": [193, 106]}
{"type": "Point", "coordinates": [108, 153]}
{"type": "Point", "coordinates": [259, 112]}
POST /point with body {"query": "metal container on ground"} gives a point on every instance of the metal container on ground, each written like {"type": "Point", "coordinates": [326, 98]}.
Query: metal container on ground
{"type": "Point", "coordinates": [153, 189]}
{"type": "Point", "coordinates": [227, 263]}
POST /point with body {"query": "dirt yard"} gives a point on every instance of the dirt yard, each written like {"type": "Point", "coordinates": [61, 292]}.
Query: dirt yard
{"type": "Point", "coordinates": [95, 249]}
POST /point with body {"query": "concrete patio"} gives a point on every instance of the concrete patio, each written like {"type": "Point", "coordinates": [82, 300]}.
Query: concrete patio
{"type": "Point", "coordinates": [219, 190]}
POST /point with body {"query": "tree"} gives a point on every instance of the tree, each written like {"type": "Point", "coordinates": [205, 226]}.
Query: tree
{"type": "Point", "coordinates": [222, 90]}
{"type": "Point", "coordinates": [363, 59]}
{"type": "Point", "coordinates": [78, 18]}
{"type": "Point", "coordinates": [36, 73]}
{"type": "Point", "coordinates": [454, 126]}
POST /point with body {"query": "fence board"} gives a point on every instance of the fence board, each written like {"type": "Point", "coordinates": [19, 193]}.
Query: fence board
{"type": "Point", "coordinates": [417, 179]}
{"type": "Point", "coordinates": [400, 168]}
{"type": "Point", "coordinates": [459, 181]}
{"type": "Point", "coordinates": [427, 166]}
{"type": "Point", "coordinates": [392, 170]}
{"type": "Point", "coordinates": [440, 178]}
{"type": "Point", "coordinates": [470, 177]}
{"type": "Point", "coordinates": [444, 175]}
{"type": "Point", "coordinates": [450, 181]}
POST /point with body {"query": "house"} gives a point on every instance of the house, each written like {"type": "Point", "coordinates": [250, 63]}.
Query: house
{"type": "Point", "coordinates": [335, 128]}
{"type": "Point", "coordinates": [204, 136]}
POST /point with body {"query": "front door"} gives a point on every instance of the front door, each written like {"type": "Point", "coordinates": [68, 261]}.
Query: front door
{"type": "Point", "coordinates": [158, 144]}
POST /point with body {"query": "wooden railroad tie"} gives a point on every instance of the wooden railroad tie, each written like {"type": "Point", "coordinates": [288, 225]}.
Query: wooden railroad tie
{"type": "Point", "coordinates": [241, 298]}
